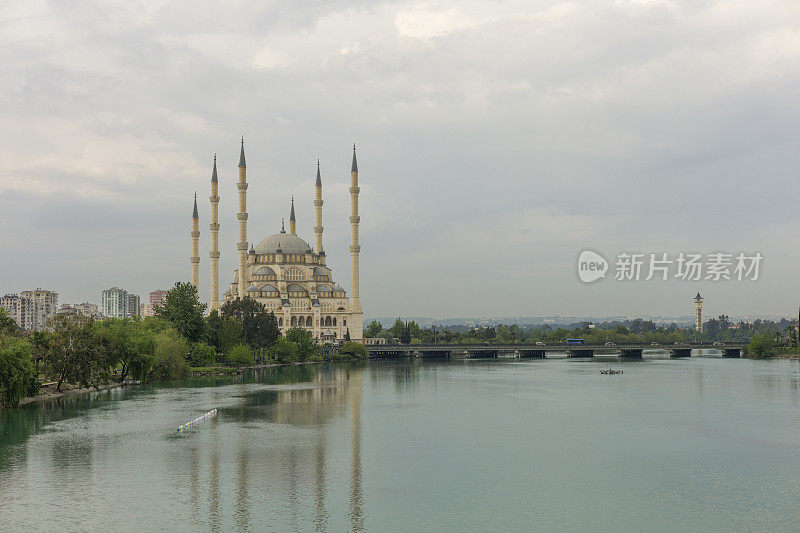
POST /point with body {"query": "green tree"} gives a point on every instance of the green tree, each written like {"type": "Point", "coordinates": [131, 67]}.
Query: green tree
{"type": "Point", "coordinates": [214, 329]}
{"type": "Point", "coordinates": [73, 351]}
{"type": "Point", "coordinates": [240, 355]}
{"type": "Point", "coordinates": [259, 326]}
{"type": "Point", "coordinates": [169, 360]}
{"type": "Point", "coordinates": [405, 336]}
{"type": "Point", "coordinates": [183, 310]}
{"type": "Point", "coordinates": [17, 376]}
{"type": "Point", "coordinates": [7, 324]}
{"type": "Point", "coordinates": [760, 346]}
{"type": "Point", "coordinates": [398, 329]}
{"type": "Point", "coordinates": [373, 330]}
{"type": "Point", "coordinates": [202, 354]}
{"type": "Point", "coordinates": [354, 350]}
{"type": "Point", "coordinates": [284, 351]}
{"type": "Point", "coordinates": [40, 343]}
{"type": "Point", "coordinates": [231, 334]}
{"type": "Point", "coordinates": [306, 349]}
{"type": "Point", "coordinates": [128, 345]}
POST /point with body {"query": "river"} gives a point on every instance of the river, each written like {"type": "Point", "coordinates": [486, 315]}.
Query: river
{"type": "Point", "coordinates": [699, 444]}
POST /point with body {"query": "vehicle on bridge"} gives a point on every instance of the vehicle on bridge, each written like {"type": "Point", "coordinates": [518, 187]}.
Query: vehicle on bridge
{"type": "Point", "coordinates": [575, 342]}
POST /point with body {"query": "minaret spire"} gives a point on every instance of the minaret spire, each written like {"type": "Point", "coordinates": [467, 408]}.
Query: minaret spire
{"type": "Point", "coordinates": [242, 216]}
{"type": "Point", "coordinates": [214, 226]}
{"type": "Point", "coordinates": [195, 259]}
{"type": "Point", "coordinates": [355, 249]}
{"type": "Point", "coordinates": [318, 213]}
{"type": "Point", "coordinates": [292, 220]}
{"type": "Point", "coordinates": [283, 228]}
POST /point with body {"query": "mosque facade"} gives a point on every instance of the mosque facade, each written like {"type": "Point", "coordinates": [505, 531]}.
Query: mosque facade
{"type": "Point", "coordinates": [283, 271]}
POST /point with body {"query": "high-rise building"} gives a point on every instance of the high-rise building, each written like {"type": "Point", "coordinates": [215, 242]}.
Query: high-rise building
{"type": "Point", "coordinates": [133, 305]}
{"type": "Point", "coordinates": [47, 302]}
{"type": "Point", "coordinates": [114, 303]}
{"type": "Point", "coordinates": [87, 309]}
{"type": "Point", "coordinates": [26, 312]}
{"type": "Point", "coordinates": [157, 297]}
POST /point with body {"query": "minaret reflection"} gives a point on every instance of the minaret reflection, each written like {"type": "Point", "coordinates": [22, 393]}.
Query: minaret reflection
{"type": "Point", "coordinates": [242, 513]}
{"type": "Point", "coordinates": [213, 486]}
{"type": "Point", "coordinates": [194, 484]}
{"type": "Point", "coordinates": [320, 515]}
{"type": "Point", "coordinates": [356, 495]}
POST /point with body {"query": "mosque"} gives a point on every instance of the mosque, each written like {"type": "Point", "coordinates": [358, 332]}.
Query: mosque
{"type": "Point", "coordinates": [283, 271]}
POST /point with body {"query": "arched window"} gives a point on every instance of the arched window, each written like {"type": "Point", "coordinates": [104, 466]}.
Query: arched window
{"type": "Point", "coordinates": [280, 321]}
{"type": "Point", "coordinates": [334, 321]}
{"type": "Point", "coordinates": [344, 321]}
{"type": "Point", "coordinates": [269, 291]}
{"type": "Point", "coordinates": [294, 321]}
{"type": "Point", "coordinates": [309, 321]}
{"type": "Point", "coordinates": [294, 274]}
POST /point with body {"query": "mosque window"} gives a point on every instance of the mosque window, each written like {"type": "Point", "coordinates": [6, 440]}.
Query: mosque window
{"type": "Point", "coordinates": [294, 274]}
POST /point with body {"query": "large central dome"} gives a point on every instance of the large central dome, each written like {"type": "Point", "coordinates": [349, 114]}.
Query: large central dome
{"type": "Point", "coordinates": [285, 243]}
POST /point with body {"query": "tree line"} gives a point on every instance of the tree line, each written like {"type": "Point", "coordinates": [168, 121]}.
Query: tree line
{"type": "Point", "coordinates": [771, 336]}
{"type": "Point", "coordinates": [84, 352]}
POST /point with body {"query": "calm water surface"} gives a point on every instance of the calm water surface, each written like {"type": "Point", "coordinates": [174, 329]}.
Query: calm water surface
{"type": "Point", "coordinates": [700, 444]}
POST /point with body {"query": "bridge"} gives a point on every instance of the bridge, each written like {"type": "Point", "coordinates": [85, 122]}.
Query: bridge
{"type": "Point", "coordinates": [539, 351]}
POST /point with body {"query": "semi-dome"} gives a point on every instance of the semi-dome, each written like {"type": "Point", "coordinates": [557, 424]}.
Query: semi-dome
{"type": "Point", "coordinates": [283, 243]}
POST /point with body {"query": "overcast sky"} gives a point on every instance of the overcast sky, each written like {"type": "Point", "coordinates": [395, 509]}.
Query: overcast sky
{"type": "Point", "coordinates": [496, 140]}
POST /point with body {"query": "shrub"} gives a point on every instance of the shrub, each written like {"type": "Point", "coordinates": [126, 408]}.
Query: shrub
{"type": "Point", "coordinates": [761, 345]}
{"type": "Point", "coordinates": [354, 350]}
{"type": "Point", "coordinates": [240, 355]}
{"type": "Point", "coordinates": [202, 354]}
{"type": "Point", "coordinates": [169, 360]}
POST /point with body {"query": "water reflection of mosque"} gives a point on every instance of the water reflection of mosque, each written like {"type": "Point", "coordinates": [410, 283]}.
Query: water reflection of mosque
{"type": "Point", "coordinates": [287, 471]}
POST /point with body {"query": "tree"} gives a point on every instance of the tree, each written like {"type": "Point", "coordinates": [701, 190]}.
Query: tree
{"type": "Point", "coordinates": [183, 310]}
{"type": "Point", "coordinates": [17, 375]}
{"type": "Point", "coordinates": [398, 329]}
{"type": "Point", "coordinates": [405, 335]}
{"type": "Point", "coordinates": [7, 324]}
{"type": "Point", "coordinates": [259, 326]}
{"type": "Point", "coordinates": [40, 343]}
{"type": "Point", "coordinates": [284, 351]}
{"type": "Point", "coordinates": [128, 345]}
{"type": "Point", "coordinates": [354, 350]}
{"type": "Point", "coordinates": [230, 334]}
{"type": "Point", "coordinates": [214, 329]}
{"type": "Point", "coordinates": [761, 345]}
{"type": "Point", "coordinates": [169, 360]}
{"type": "Point", "coordinates": [202, 354]}
{"type": "Point", "coordinates": [73, 350]}
{"type": "Point", "coordinates": [240, 355]}
{"type": "Point", "coordinates": [373, 330]}
{"type": "Point", "coordinates": [306, 350]}
{"type": "Point", "coordinates": [347, 335]}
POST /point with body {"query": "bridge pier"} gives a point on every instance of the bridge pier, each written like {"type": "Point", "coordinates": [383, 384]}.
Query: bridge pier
{"type": "Point", "coordinates": [680, 352]}
{"type": "Point", "coordinates": [482, 352]}
{"type": "Point", "coordinates": [635, 353]}
{"type": "Point", "coordinates": [532, 354]}
{"type": "Point", "coordinates": [731, 352]}
{"type": "Point", "coordinates": [387, 353]}
{"type": "Point", "coordinates": [580, 352]}
{"type": "Point", "coordinates": [434, 354]}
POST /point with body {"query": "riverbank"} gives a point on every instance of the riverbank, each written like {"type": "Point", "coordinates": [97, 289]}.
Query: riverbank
{"type": "Point", "coordinates": [49, 392]}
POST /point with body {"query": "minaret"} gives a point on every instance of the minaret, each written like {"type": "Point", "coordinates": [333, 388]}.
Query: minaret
{"type": "Point", "coordinates": [242, 216]}
{"type": "Point", "coordinates": [698, 313]}
{"type": "Point", "coordinates": [195, 259]}
{"type": "Point", "coordinates": [318, 209]}
{"type": "Point", "coordinates": [355, 248]}
{"type": "Point", "coordinates": [292, 221]}
{"type": "Point", "coordinates": [214, 253]}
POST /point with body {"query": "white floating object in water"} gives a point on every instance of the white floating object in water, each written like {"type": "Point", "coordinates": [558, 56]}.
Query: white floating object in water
{"type": "Point", "coordinates": [196, 420]}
